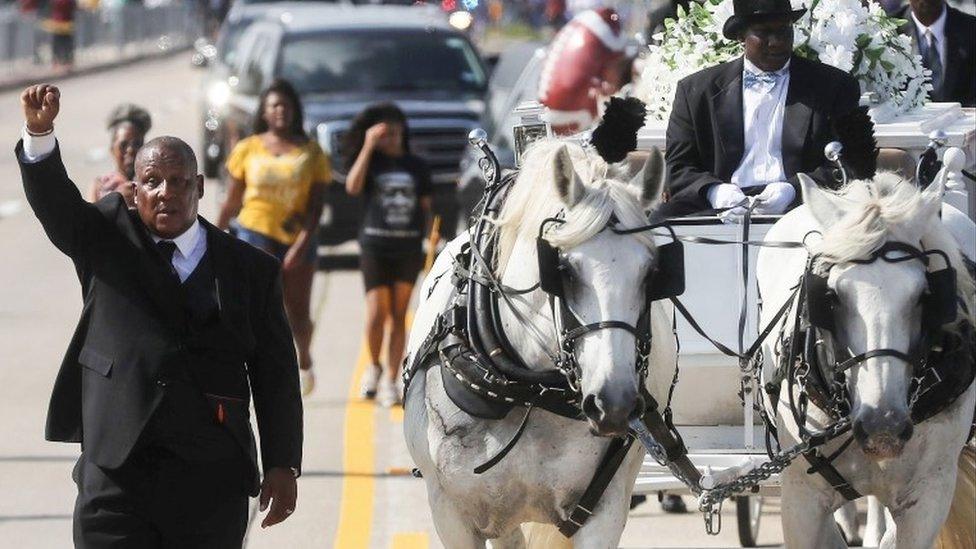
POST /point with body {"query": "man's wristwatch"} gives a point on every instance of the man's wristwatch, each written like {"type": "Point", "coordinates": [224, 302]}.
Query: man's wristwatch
{"type": "Point", "coordinates": [294, 472]}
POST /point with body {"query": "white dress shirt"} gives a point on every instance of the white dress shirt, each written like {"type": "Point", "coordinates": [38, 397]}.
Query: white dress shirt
{"type": "Point", "coordinates": [762, 115]}
{"type": "Point", "coordinates": [938, 31]}
{"type": "Point", "coordinates": [190, 246]}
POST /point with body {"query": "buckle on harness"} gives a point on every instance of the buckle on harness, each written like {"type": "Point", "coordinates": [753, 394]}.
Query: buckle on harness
{"type": "Point", "coordinates": [921, 387]}
{"type": "Point", "coordinates": [572, 516]}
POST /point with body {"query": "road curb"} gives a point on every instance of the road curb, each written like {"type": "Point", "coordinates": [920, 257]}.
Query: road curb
{"type": "Point", "coordinates": [23, 82]}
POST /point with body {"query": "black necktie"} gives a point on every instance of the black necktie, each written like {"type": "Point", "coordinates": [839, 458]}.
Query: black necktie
{"type": "Point", "coordinates": [168, 248]}
{"type": "Point", "coordinates": [932, 61]}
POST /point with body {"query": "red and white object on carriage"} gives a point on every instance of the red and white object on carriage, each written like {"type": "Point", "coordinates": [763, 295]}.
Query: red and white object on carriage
{"type": "Point", "coordinates": [579, 69]}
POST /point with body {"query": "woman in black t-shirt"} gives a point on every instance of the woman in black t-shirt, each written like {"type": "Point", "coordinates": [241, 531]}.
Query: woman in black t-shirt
{"type": "Point", "coordinates": [396, 186]}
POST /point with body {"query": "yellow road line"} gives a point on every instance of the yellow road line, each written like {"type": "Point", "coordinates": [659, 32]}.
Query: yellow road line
{"type": "Point", "coordinates": [359, 465]}
{"type": "Point", "coordinates": [411, 540]}
{"type": "Point", "coordinates": [359, 462]}
{"type": "Point", "coordinates": [396, 414]}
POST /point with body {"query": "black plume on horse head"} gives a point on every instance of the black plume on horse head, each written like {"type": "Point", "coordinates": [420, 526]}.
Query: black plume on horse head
{"type": "Point", "coordinates": [855, 131]}
{"type": "Point", "coordinates": [617, 133]}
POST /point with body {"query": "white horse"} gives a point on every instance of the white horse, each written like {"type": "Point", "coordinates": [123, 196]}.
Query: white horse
{"type": "Point", "coordinates": [911, 469]}
{"type": "Point", "coordinates": [552, 464]}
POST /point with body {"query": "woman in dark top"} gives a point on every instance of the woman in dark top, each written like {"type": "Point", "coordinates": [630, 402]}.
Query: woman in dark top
{"type": "Point", "coordinates": [396, 188]}
{"type": "Point", "coordinates": [128, 124]}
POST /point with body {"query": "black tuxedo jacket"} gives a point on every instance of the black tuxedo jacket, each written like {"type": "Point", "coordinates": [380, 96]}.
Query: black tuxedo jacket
{"type": "Point", "coordinates": [706, 135]}
{"type": "Point", "coordinates": [959, 84]}
{"type": "Point", "coordinates": [133, 338]}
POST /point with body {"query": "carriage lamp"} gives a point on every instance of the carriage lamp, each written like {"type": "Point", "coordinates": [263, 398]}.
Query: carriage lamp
{"type": "Point", "coordinates": [832, 151]}
{"type": "Point", "coordinates": [928, 165]}
{"type": "Point", "coordinates": [938, 139]}
{"type": "Point", "coordinates": [530, 128]}
{"type": "Point", "coordinates": [490, 169]}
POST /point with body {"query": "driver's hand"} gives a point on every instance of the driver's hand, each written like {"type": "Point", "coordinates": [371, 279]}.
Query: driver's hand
{"type": "Point", "coordinates": [775, 198]}
{"type": "Point", "coordinates": [728, 195]}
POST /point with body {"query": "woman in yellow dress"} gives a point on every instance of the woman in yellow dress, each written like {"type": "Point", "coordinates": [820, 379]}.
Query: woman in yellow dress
{"type": "Point", "coordinates": [277, 176]}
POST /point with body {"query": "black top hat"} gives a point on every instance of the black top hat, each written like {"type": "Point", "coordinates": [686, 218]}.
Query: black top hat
{"type": "Point", "coordinates": [747, 11]}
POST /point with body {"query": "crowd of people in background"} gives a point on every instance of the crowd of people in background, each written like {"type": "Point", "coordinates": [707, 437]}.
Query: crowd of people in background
{"type": "Point", "coordinates": [276, 180]}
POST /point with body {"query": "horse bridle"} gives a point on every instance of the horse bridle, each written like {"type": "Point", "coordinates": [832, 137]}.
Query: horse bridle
{"type": "Point", "coordinates": [665, 280]}
{"type": "Point", "coordinates": [938, 305]}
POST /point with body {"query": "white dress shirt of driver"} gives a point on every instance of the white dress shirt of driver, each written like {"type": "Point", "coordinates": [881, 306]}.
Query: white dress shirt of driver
{"type": "Point", "coordinates": [763, 111]}
{"type": "Point", "coordinates": [937, 28]}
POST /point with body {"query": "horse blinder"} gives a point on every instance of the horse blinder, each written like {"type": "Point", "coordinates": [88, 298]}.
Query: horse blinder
{"type": "Point", "coordinates": [939, 306]}
{"type": "Point", "coordinates": [550, 277]}
{"type": "Point", "coordinates": [668, 278]}
{"type": "Point", "coordinates": [821, 302]}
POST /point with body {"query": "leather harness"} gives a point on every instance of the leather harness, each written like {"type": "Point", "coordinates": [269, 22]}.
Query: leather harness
{"type": "Point", "coordinates": [484, 376]}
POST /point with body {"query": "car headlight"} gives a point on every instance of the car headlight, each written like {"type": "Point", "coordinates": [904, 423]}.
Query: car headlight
{"type": "Point", "coordinates": [218, 94]}
{"type": "Point", "coordinates": [461, 20]}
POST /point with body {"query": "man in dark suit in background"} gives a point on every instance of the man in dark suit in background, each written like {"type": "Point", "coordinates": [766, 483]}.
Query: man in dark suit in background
{"type": "Point", "coordinates": [181, 323]}
{"type": "Point", "coordinates": [946, 39]}
{"type": "Point", "coordinates": [748, 126]}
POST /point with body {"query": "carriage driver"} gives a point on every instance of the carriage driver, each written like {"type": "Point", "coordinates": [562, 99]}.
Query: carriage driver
{"type": "Point", "coordinates": [748, 126]}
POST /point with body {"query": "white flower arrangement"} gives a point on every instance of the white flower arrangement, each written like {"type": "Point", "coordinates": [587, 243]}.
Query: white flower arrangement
{"type": "Point", "coordinates": [853, 37]}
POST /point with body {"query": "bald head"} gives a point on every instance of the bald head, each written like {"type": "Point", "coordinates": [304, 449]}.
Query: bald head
{"type": "Point", "coordinates": [168, 186]}
{"type": "Point", "coordinates": [167, 149]}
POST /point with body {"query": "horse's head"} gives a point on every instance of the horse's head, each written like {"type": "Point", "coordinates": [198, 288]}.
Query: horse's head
{"type": "Point", "coordinates": [877, 256]}
{"type": "Point", "coordinates": [599, 274]}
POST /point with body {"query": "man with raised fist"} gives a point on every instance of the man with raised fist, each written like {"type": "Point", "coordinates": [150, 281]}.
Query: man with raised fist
{"type": "Point", "coordinates": [181, 324]}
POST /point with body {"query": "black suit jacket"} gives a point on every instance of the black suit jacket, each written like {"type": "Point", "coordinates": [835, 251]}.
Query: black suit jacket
{"type": "Point", "coordinates": [706, 135]}
{"type": "Point", "coordinates": [959, 84]}
{"type": "Point", "coordinates": [133, 338]}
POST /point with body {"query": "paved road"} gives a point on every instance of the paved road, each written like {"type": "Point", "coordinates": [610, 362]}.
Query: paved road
{"type": "Point", "coordinates": [353, 493]}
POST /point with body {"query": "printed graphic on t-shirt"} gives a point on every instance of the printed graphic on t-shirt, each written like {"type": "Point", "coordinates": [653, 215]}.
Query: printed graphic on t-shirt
{"type": "Point", "coordinates": [274, 179]}
{"type": "Point", "coordinates": [397, 196]}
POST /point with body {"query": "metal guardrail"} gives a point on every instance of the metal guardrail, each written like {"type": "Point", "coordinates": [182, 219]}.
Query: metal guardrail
{"type": "Point", "coordinates": [105, 35]}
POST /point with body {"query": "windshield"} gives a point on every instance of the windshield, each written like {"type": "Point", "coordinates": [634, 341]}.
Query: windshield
{"type": "Point", "coordinates": [381, 61]}
{"type": "Point", "coordinates": [229, 38]}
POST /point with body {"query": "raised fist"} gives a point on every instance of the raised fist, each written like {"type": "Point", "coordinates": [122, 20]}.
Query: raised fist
{"type": "Point", "coordinates": [41, 104]}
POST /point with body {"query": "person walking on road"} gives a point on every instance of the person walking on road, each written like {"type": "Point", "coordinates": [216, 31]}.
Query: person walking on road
{"type": "Point", "coordinates": [397, 187]}
{"type": "Point", "coordinates": [181, 325]}
{"type": "Point", "coordinates": [128, 125]}
{"type": "Point", "coordinates": [60, 24]}
{"type": "Point", "coordinates": [277, 180]}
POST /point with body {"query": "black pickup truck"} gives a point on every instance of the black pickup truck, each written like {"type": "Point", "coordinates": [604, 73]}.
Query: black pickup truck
{"type": "Point", "coordinates": [342, 58]}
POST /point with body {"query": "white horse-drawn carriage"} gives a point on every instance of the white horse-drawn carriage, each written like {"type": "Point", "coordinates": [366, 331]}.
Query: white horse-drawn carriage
{"type": "Point", "coordinates": [715, 403]}
{"type": "Point", "coordinates": [547, 304]}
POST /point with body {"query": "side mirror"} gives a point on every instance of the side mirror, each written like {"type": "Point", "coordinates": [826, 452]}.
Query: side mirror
{"type": "Point", "coordinates": [491, 61]}
{"type": "Point", "coordinates": [250, 81]}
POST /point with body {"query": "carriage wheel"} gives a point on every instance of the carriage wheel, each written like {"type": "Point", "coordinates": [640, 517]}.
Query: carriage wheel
{"type": "Point", "coordinates": [748, 512]}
